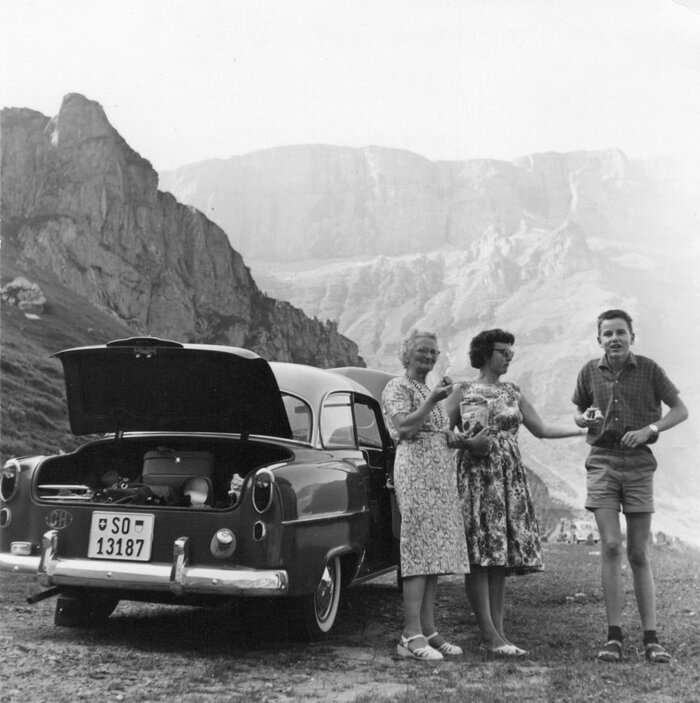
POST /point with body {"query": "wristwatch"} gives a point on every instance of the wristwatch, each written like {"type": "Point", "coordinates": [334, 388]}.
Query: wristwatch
{"type": "Point", "coordinates": [655, 430]}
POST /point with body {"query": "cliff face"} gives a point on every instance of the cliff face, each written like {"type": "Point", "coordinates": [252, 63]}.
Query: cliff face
{"type": "Point", "coordinates": [79, 202]}
{"type": "Point", "coordinates": [304, 202]}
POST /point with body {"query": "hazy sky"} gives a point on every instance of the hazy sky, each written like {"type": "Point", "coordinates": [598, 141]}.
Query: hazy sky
{"type": "Point", "coordinates": [184, 81]}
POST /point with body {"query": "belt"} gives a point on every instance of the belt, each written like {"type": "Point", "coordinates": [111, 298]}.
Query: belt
{"type": "Point", "coordinates": [617, 446]}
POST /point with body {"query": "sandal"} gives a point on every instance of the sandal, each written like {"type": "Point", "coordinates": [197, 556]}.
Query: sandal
{"type": "Point", "coordinates": [425, 652]}
{"type": "Point", "coordinates": [656, 654]}
{"type": "Point", "coordinates": [507, 650]}
{"type": "Point", "coordinates": [611, 652]}
{"type": "Point", "coordinates": [446, 649]}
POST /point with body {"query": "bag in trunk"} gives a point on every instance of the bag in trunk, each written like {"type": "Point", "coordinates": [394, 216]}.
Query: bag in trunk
{"type": "Point", "coordinates": [176, 475]}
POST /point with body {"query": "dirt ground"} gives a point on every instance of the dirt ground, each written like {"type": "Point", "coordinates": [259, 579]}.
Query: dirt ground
{"type": "Point", "coordinates": [153, 653]}
{"type": "Point", "coordinates": [245, 652]}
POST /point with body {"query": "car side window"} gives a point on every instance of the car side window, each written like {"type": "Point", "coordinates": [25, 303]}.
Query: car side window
{"type": "Point", "coordinates": [337, 428]}
{"type": "Point", "coordinates": [299, 415]}
{"type": "Point", "coordinates": [368, 431]}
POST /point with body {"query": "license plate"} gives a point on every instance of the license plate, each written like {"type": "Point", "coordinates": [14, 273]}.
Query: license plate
{"type": "Point", "coordinates": [121, 536]}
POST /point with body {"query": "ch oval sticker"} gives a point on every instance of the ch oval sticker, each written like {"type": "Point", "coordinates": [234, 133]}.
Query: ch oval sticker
{"type": "Point", "coordinates": [58, 519]}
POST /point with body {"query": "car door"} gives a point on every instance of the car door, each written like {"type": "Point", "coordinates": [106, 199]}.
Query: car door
{"type": "Point", "coordinates": [377, 448]}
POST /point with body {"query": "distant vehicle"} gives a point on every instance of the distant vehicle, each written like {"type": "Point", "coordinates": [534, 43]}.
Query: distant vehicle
{"type": "Point", "coordinates": [584, 531]}
{"type": "Point", "coordinates": [217, 475]}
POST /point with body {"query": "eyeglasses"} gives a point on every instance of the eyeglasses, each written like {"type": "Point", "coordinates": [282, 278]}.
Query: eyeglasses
{"type": "Point", "coordinates": [425, 352]}
{"type": "Point", "coordinates": [507, 353]}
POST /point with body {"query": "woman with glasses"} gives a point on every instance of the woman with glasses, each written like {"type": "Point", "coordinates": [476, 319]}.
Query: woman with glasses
{"type": "Point", "coordinates": [501, 527]}
{"type": "Point", "coordinates": [432, 531]}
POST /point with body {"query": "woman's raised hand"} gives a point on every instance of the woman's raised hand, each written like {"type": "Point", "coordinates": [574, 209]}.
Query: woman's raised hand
{"type": "Point", "coordinates": [442, 389]}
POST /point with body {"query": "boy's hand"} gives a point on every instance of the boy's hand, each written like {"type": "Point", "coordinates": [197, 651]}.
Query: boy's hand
{"type": "Point", "coordinates": [592, 418]}
{"type": "Point", "coordinates": [637, 438]}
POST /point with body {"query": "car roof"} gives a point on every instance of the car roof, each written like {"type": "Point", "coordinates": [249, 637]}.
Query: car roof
{"type": "Point", "coordinates": [373, 380]}
{"type": "Point", "coordinates": [312, 383]}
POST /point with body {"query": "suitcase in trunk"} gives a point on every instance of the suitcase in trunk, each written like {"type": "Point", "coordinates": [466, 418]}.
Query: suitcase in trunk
{"type": "Point", "coordinates": [166, 472]}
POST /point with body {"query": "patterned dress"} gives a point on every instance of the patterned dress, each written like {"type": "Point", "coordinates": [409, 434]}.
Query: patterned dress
{"type": "Point", "coordinates": [497, 507]}
{"type": "Point", "coordinates": [432, 530]}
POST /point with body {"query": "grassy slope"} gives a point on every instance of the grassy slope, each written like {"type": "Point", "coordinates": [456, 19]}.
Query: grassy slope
{"type": "Point", "coordinates": [33, 411]}
{"type": "Point", "coordinates": [157, 653]}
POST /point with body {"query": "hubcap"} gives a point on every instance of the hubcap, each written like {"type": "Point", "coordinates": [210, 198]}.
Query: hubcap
{"type": "Point", "coordinates": [324, 593]}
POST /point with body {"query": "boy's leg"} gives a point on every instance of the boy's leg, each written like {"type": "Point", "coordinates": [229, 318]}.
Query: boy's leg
{"type": "Point", "coordinates": [638, 534]}
{"type": "Point", "coordinates": [638, 540]}
{"type": "Point", "coordinates": [608, 522]}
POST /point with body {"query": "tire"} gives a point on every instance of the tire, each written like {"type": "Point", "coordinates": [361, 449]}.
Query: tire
{"type": "Point", "coordinates": [83, 609]}
{"type": "Point", "coordinates": [314, 614]}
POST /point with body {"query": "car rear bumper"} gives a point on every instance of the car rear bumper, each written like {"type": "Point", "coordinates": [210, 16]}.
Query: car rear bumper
{"type": "Point", "coordinates": [178, 577]}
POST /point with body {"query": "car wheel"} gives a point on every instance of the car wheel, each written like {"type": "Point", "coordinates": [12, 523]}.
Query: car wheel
{"type": "Point", "coordinates": [83, 609]}
{"type": "Point", "coordinates": [315, 613]}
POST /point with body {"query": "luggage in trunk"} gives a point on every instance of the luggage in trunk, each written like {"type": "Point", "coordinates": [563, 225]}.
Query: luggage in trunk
{"type": "Point", "coordinates": [177, 475]}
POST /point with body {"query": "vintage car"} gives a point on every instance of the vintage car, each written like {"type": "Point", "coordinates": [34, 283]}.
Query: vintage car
{"type": "Point", "coordinates": [212, 475]}
{"type": "Point", "coordinates": [584, 531]}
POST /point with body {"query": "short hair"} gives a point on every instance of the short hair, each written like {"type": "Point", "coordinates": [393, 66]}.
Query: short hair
{"type": "Point", "coordinates": [613, 315]}
{"type": "Point", "coordinates": [408, 344]}
{"type": "Point", "coordinates": [481, 347]}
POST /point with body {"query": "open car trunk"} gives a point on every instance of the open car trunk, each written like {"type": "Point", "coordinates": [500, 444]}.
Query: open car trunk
{"type": "Point", "coordinates": [165, 471]}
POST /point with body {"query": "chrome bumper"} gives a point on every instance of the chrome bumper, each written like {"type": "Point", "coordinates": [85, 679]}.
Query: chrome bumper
{"type": "Point", "coordinates": [178, 577]}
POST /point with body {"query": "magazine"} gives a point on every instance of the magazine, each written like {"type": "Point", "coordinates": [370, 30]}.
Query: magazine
{"type": "Point", "coordinates": [475, 415]}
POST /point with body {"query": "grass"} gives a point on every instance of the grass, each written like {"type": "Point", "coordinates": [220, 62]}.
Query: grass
{"type": "Point", "coordinates": [33, 418]}
{"type": "Point", "coordinates": [159, 653]}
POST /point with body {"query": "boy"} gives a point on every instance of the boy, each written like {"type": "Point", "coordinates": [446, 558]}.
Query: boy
{"type": "Point", "coordinates": [618, 398]}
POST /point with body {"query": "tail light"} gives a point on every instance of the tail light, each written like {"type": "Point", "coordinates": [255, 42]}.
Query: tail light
{"type": "Point", "coordinates": [9, 480]}
{"type": "Point", "coordinates": [263, 490]}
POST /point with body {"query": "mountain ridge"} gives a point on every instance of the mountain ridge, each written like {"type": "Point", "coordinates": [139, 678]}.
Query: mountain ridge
{"type": "Point", "coordinates": [78, 201]}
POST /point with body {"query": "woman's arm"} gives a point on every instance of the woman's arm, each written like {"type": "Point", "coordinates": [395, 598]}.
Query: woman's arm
{"type": "Point", "coordinates": [537, 427]}
{"type": "Point", "coordinates": [408, 424]}
{"type": "Point", "coordinates": [452, 406]}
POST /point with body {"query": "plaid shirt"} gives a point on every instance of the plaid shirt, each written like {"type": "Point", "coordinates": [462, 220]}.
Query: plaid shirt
{"type": "Point", "coordinates": [629, 401]}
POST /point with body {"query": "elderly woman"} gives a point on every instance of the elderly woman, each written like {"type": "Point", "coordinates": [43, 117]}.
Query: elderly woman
{"type": "Point", "coordinates": [432, 530]}
{"type": "Point", "coordinates": [501, 527]}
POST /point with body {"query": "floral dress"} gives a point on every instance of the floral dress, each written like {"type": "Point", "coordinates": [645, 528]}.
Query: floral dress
{"type": "Point", "coordinates": [432, 531]}
{"type": "Point", "coordinates": [498, 511]}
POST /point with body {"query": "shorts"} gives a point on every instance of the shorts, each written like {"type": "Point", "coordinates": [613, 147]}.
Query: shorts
{"type": "Point", "coordinates": [620, 478]}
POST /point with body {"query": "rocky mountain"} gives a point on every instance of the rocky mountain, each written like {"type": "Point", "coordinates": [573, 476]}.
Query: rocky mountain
{"type": "Point", "coordinates": [382, 240]}
{"type": "Point", "coordinates": [78, 202]}
{"type": "Point", "coordinates": [306, 202]}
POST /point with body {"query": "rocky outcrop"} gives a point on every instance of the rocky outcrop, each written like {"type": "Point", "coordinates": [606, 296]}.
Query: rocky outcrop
{"type": "Point", "coordinates": [79, 202]}
{"type": "Point", "coordinates": [323, 202]}
{"type": "Point", "coordinates": [26, 295]}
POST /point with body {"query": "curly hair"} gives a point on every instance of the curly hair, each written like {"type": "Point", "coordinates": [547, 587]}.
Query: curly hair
{"type": "Point", "coordinates": [408, 344]}
{"type": "Point", "coordinates": [481, 346]}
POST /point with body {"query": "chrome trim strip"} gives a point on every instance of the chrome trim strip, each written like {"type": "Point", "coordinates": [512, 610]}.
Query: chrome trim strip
{"type": "Point", "coordinates": [18, 565]}
{"type": "Point", "coordinates": [324, 517]}
{"type": "Point", "coordinates": [178, 577]}
{"type": "Point", "coordinates": [363, 579]}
